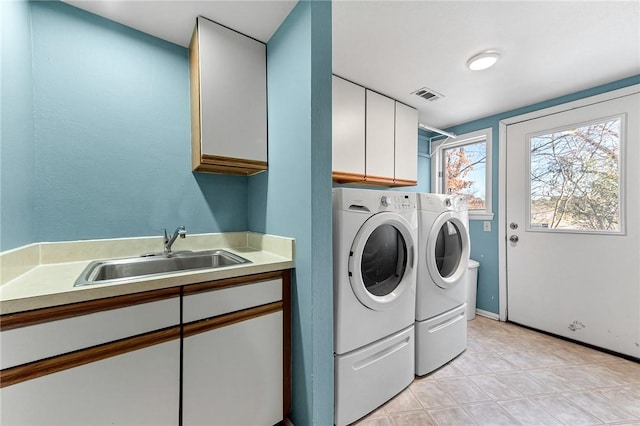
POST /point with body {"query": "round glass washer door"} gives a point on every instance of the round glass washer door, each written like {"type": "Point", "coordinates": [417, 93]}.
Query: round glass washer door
{"type": "Point", "coordinates": [447, 250]}
{"type": "Point", "coordinates": [381, 262]}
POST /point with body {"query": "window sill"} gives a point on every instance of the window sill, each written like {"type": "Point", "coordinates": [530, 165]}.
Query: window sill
{"type": "Point", "coordinates": [479, 215]}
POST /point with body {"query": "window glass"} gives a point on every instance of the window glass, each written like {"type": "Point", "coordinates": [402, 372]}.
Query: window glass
{"type": "Point", "coordinates": [462, 165]}
{"type": "Point", "coordinates": [448, 249]}
{"type": "Point", "coordinates": [465, 170]}
{"type": "Point", "coordinates": [384, 260]}
{"type": "Point", "coordinates": [575, 178]}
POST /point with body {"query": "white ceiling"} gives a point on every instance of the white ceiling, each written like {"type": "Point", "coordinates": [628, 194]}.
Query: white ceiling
{"type": "Point", "coordinates": [549, 48]}
{"type": "Point", "coordinates": [174, 20]}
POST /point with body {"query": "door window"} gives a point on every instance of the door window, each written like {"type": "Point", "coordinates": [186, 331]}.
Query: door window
{"type": "Point", "coordinates": [575, 178]}
{"type": "Point", "coordinates": [448, 249]}
{"type": "Point", "coordinates": [384, 260]}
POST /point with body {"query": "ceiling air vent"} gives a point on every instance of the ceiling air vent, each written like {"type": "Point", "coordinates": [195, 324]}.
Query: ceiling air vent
{"type": "Point", "coordinates": [428, 94]}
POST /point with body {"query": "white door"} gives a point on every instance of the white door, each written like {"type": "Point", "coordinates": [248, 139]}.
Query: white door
{"type": "Point", "coordinates": [572, 224]}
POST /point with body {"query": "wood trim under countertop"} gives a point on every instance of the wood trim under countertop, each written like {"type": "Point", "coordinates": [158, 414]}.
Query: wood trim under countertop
{"type": "Point", "coordinates": [229, 282]}
{"type": "Point", "coordinates": [33, 370]}
{"type": "Point", "coordinates": [54, 313]}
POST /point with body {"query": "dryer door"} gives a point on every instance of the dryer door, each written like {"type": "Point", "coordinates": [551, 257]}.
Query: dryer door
{"type": "Point", "coordinates": [447, 250]}
{"type": "Point", "coordinates": [381, 261]}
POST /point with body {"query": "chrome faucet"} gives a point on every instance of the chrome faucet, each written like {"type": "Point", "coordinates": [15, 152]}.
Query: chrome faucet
{"type": "Point", "coordinates": [169, 240]}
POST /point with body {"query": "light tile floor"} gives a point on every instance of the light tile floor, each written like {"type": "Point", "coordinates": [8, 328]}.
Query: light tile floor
{"type": "Point", "coordinates": [510, 375]}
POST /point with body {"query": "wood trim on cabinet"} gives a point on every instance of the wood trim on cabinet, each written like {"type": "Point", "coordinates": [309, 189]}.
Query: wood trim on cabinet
{"type": "Point", "coordinates": [379, 180]}
{"type": "Point", "coordinates": [203, 326]}
{"type": "Point", "coordinates": [229, 282]}
{"type": "Point", "coordinates": [194, 86]}
{"type": "Point", "coordinates": [404, 182]}
{"type": "Point", "coordinates": [240, 171]}
{"type": "Point", "coordinates": [33, 370]}
{"type": "Point", "coordinates": [346, 177]}
{"type": "Point", "coordinates": [54, 313]}
{"type": "Point", "coordinates": [220, 164]}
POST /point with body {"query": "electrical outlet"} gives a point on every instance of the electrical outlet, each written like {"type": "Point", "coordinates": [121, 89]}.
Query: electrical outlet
{"type": "Point", "coordinates": [487, 226]}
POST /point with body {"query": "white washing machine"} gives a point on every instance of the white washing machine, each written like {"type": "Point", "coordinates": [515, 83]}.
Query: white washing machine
{"type": "Point", "coordinates": [374, 276]}
{"type": "Point", "coordinates": [441, 289]}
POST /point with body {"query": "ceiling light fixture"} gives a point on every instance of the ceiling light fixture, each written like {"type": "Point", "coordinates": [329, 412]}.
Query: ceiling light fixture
{"type": "Point", "coordinates": [483, 60]}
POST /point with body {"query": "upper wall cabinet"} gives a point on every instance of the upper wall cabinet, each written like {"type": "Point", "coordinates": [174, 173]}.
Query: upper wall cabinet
{"type": "Point", "coordinates": [228, 73]}
{"type": "Point", "coordinates": [406, 147]}
{"type": "Point", "coordinates": [380, 112]}
{"type": "Point", "coordinates": [348, 130]}
{"type": "Point", "coordinates": [375, 138]}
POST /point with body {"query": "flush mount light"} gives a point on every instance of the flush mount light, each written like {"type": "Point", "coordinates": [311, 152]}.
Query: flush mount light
{"type": "Point", "coordinates": [483, 60]}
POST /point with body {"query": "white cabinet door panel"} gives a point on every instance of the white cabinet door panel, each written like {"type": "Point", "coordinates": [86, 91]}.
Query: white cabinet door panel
{"type": "Point", "coordinates": [348, 127]}
{"type": "Point", "coordinates": [233, 93]}
{"type": "Point", "coordinates": [136, 388]}
{"type": "Point", "coordinates": [32, 343]}
{"type": "Point", "coordinates": [406, 160]}
{"type": "Point", "coordinates": [380, 134]}
{"type": "Point", "coordinates": [233, 375]}
{"type": "Point", "coordinates": [219, 302]}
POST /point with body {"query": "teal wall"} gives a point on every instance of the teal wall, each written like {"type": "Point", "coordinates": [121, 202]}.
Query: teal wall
{"type": "Point", "coordinates": [111, 137]}
{"type": "Point", "coordinates": [484, 245]}
{"type": "Point", "coordinates": [17, 150]}
{"type": "Point", "coordinates": [424, 163]}
{"type": "Point", "coordinates": [293, 197]}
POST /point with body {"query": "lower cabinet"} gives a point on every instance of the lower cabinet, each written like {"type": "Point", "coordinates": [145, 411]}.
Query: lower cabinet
{"type": "Point", "coordinates": [219, 348]}
{"type": "Point", "coordinates": [235, 357]}
{"type": "Point", "coordinates": [141, 387]}
{"type": "Point", "coordinates": [233, 375]}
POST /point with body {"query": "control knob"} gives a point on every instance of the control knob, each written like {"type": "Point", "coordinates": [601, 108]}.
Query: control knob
{"type": "Point", "coordinates": [385, 200]}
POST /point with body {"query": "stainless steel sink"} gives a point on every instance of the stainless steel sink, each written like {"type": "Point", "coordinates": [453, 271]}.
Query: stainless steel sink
{"type": "Point", "coordinates": [122, 270]}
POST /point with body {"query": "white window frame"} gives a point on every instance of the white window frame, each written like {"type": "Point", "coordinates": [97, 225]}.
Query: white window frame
{"type": "Point", "coordinates": [437, 162]}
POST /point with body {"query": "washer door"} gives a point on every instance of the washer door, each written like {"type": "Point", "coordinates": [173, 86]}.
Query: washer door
{"type": "Point", "coordinates": [381, 260]}
{"type": "Point", "coordinates": [447, 250]}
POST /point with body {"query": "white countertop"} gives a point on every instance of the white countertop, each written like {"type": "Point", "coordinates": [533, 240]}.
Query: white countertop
{"type": "Point", "coordinates": [42, 275]}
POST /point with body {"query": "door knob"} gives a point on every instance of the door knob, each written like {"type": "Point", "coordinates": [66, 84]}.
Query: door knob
{"type": "Point", "coordinates": [514, 238]}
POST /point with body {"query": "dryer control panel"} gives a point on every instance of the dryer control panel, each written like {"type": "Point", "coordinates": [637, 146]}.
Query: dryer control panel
{"type": "Point", "coordinates": [398, 201]}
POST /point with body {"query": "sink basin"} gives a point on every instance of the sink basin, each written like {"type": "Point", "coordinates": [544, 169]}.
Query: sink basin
{"type": "Point", "coordinates": [120, 270]}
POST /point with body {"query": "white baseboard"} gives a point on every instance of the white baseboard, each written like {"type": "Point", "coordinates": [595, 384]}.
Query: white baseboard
{"type": "Point", "coordinates": [487, 314]}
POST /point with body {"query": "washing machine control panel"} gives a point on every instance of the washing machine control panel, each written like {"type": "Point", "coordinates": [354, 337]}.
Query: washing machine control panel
{"type": "Point", "coordinates": [398, 202]}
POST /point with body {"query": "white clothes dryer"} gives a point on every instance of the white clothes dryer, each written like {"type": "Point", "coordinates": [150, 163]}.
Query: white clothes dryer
{"type": "Point", "coordinates": [441, 288]}
{"type": "Point", "coordinates": [374, 255]}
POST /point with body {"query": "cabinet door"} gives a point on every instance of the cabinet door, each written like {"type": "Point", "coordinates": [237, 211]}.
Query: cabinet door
{"type": "Point", "coordinates": [406, 160]}
{"type": "Point", "coordinates": [141, 387]}
{"type": "Point", "coordinates": [233, 94]}
{"type": "Point", "coordinates": [380, 136]}
{"type": "Point", "coordinates": [348, 129]}
{"type": "Point", "coordinates": [233, 375]}
{"type": "Point", "coordinates": [56, 337]}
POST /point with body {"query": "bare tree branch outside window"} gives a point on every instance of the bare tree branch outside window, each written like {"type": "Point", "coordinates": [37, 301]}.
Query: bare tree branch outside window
{"type": "Point", "coordinates": [465, 169]}
{"type": "Point", "coordinates": [575, 178]}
